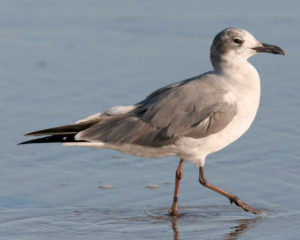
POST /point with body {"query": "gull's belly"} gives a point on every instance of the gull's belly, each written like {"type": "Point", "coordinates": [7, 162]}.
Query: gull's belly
{"type": "Point", "coordinates": [195, 150]}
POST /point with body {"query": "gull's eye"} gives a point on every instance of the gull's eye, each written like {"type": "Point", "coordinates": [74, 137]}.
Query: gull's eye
{"type": "Point", "coordinates": [237, 41]}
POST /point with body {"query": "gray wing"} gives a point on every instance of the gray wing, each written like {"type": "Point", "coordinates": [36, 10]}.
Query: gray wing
{"type": "Point", "coordinates": [192, 108]}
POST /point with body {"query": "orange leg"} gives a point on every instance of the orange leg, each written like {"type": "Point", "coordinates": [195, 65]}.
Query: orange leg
{"type": "Point", "coordinates": [174, 209]}
{"type": "Point", "coordinates": [232, 198]}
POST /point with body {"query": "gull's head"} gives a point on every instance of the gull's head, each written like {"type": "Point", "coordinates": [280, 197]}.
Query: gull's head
{"type": "Point", "coordinates": [235, 45]}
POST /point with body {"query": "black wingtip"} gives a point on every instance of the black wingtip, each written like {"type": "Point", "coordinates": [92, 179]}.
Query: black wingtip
{"type": "Point", "coordinates": [48, 139]}
{"type": "Point", "coordinates": [61, 130]}
{"type": "Point", "coordinates": [26, 142]}
{"type": "Point", "coordinates": [49, 131]}
{"type": "Point", "coordinates": [52, 139]}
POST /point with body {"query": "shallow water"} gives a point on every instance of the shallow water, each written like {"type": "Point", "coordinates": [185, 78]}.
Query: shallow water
{"type": "Point", "coordinates": [62, 60]}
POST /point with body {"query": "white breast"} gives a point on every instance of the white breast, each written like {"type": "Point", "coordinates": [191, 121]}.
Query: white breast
{"type": "Point", "coordinates": [245, 92]}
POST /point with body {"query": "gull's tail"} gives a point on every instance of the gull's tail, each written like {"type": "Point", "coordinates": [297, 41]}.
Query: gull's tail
{"type": "Point", "coordinates": [61, 134]}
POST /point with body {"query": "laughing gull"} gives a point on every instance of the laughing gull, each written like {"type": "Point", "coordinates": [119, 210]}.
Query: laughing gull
{"type": "Point", "coordinates": [189, 119]}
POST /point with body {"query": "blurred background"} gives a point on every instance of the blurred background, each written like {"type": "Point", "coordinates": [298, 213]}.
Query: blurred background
{"type": "Point", "coordinates": [63, 60]}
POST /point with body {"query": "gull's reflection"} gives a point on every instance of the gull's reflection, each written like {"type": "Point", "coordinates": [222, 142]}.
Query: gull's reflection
{"type": "Point", "coordinates": [242, 227]}
{"type": "Point", "coordinates": [235, 233]}
{"type": "Point", "coordinates": [174, 228]}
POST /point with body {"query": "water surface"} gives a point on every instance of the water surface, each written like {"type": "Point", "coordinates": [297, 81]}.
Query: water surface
{"type": "Point", "coordinates": [63, 60]}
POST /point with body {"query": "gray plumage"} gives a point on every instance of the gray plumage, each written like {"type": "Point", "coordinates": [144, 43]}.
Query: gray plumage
{"type": "Point", "coordinates": [191, 108]}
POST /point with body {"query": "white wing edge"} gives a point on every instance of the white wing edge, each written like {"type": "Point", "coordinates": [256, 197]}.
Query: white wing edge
{"type": "Point", "coordinates": [112, 111]}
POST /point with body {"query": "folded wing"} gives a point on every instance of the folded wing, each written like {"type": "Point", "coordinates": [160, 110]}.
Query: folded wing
{"type": "Point", "coordinates": [168, 114]}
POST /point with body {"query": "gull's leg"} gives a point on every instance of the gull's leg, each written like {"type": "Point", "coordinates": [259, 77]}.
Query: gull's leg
{"type": "Point", "coordinates": [174, 209]}
{"type": "Point", "coordinates": [232, 198]}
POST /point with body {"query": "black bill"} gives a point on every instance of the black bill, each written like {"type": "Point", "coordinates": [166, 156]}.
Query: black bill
{"type": "Point", "coordinates": [269, 49]}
